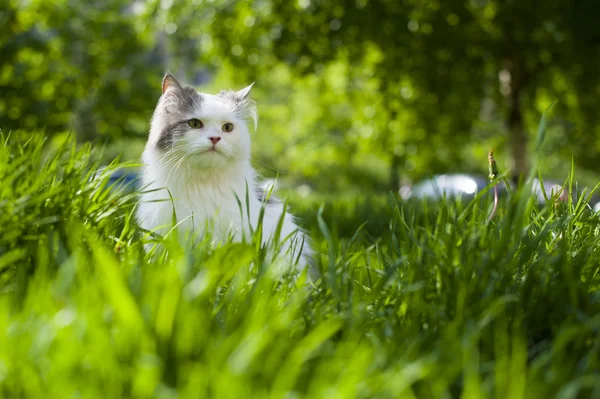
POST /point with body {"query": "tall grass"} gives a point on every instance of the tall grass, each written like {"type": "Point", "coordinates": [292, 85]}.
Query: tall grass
{"type": "Point", "coordinates": [441, 303]}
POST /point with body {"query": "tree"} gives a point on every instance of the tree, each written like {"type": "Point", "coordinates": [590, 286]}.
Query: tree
{"type": "Point", "coordinates": [66, 65]}
{"type": "Point", "coordinates": [439, 59]}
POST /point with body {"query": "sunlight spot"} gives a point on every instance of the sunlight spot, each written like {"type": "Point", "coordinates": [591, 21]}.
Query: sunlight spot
{"type": "Point", "coordinates": [237, 50]}
{"type": "Point", "coordinates": [170, 28]}
{"type": "Point", "coordinates": [303, 3]}
{"type": "Point", "coordinates": [275, 32]}
{"type": "Point", "coordinates": [369, 112]}
{"type": "Point", "coordinates": [138, 7]}
{"type": "Point", "coordinates": [249, 21]}
{"type": "Point", "coordinates": [335, 24]}
{"type": "Point", "coordinates": [64, 317]}
{"type": "Point", "coordinates": [505, 78]}
{"type": "Point", "coordinates": [469, 186]}
{"type": "Point", "coordinates": [304, 190]}
{"type": "Point", "coordinates": [413, 25]}
{"type": "Point", "coordinates": [366, 132]}
{"type": "Point", "coordinates": [406, 93]}
{"type": "Point", "coordinates": [253, 59]}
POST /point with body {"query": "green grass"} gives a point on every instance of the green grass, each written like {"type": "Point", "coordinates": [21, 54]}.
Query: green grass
{"type": "Point", "coordinates": [427, 300]}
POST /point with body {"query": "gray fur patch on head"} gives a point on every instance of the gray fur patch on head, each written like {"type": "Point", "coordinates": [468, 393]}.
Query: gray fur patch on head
{"type": "Point", "coordinates": [170, 132]}
{"type": "Point", "coordinates": [176, 105]}
{"type": "Point", "coordinates": [241, 106]}
{"type": "Point", "coordinates": [181, 101]}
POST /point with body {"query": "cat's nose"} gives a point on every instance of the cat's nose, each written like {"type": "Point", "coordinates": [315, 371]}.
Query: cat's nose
{"type": "Point", "coordinates": [215, 139]}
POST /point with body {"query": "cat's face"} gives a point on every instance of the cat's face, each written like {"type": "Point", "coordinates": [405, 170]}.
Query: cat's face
{"type": "Point", "coordinates": [201, 130]}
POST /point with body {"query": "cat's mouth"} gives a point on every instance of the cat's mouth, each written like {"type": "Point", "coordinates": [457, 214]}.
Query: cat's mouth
{"type": "Point", "coordinates": [211, 151]}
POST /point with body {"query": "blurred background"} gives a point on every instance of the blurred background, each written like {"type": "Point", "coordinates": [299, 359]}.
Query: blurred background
{"type": "Point", "coordinates": [354, 96]}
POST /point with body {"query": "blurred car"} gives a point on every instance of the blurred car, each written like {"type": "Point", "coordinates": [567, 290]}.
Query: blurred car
{"type": "Point", "coordinates": [450, 185]}
{"type": "Point", "coordinates": [454, 185]}
{"type": "Point", "coordinates": [551, 188]}
{"type": "Point", "coordinates": [119, 178]}
{"type": "Point", "coordinates": [124, 177]}
{"type": "Point", "coordinates": [447, 185]}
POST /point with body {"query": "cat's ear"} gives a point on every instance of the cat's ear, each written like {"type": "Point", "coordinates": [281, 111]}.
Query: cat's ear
{"type": "Point", "coordinates": [168, 81]}
{"type": "Point", "coordinates": [243, 94]}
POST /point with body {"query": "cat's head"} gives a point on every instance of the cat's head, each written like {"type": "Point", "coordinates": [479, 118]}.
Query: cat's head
{"type": "Point", "coordinates": [199, 129]}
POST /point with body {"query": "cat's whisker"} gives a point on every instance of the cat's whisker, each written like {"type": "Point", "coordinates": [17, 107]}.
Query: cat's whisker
{"type": "Point", "coordinates": [165, 166]}
{"type": "Point", "coordinates": [177, 165]}
{"type": "Point", "coordinates": [173, 169]}
{"type": "Point", "coordinates": [232, 155]}
{"type": "Point", "coordinates": [266, 165]}
{"type": "Point", "coordinates": [168, 154]}
{"type": "Point", "coordinates": [173, 165]}
{"type": "Point", "coordinates": [188, 164]}
{"type": "Point", "coordinates": [180, 164]}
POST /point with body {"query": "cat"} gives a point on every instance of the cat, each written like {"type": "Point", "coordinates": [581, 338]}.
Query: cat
{"type": "Point", "coordinates": [196, 166]}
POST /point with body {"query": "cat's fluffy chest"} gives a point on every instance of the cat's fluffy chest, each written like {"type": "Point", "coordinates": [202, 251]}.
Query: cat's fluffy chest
{"type": "Point", "coordinates": [194, 207]}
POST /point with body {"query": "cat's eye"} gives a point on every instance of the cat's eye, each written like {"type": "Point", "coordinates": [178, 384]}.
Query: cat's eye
{"type": "Point", "coordinates": [195, 123]}
{"type": "Point", "coordinates": [228, 127]}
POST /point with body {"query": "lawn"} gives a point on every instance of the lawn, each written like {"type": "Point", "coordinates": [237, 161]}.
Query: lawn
{"type": "Point", "coordinates": [424, 300]}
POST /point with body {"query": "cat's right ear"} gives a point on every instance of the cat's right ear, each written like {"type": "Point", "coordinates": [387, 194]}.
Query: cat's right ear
{"type": "Point", "coordinates": [243, 94]}
{"type": "Point", "coordinates": [168, 81]}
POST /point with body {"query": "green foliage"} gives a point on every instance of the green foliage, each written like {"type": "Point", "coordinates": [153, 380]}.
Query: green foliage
{"type": "Point", "coordinates": [68, 65]}
{"type": "Point", "coordinates": [442, 303]}
{"type": "Point", "coordinates": [364, 93]}
{"type": "Point", "coordinates": [424, 84]}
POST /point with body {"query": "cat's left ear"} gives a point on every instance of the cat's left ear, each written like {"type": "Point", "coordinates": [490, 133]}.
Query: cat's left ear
{"type": "Point", "coordinates": [243, 94]}
{"type": "Point", "coordinates": [168, 81]}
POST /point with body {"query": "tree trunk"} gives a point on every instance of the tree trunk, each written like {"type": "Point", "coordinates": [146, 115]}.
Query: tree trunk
{"type": "Point", "coordinates": [395, 173]}
{"type": "Point", "coordinates": [518, 138]}
{"type": "Point", "coordinates": [389, 143]}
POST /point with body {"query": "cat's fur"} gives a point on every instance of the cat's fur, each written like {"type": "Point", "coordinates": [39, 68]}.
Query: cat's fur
{"type": "Point", "coordinates": [186, 173]}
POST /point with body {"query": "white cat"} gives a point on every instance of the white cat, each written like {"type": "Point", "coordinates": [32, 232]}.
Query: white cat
{"type": "Point", "coordinates": [197, 160]}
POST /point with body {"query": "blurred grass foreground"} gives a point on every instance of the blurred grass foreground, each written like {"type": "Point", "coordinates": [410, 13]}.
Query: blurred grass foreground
{"type": "Point", "coordinates": [418, 298]}
{"type": "Point", "coordinates": [442, 303]}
